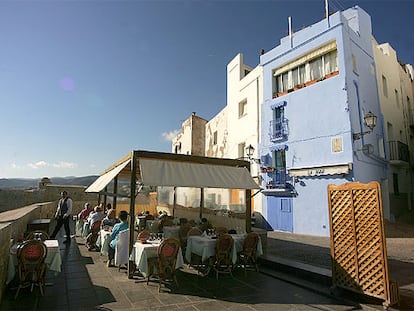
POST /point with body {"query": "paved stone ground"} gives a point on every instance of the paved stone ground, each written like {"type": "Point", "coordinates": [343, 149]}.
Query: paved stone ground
{"type": "Point", "coordinates": [87, 284]}
{"type": "Point", "coordinates": [315, 251]}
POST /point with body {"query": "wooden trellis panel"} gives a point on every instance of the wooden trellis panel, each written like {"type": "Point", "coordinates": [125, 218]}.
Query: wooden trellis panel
{"type": "Point", "coordinates": [358, 249]}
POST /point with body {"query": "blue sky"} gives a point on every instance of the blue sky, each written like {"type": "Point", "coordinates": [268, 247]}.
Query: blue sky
{"type": "Point", "coordinates": [82, 83]}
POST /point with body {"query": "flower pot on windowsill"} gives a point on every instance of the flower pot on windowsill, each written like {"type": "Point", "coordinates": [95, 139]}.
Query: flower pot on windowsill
{"type": "Point", "coordinates": [332, 74]}
{"type": "Point", "coordinates": [282, 93]}
{"type": "Point", "coordinates": [310, 82]}
{"type": "Point", "coordinates": [298, 87]}
{"type": "Point", "coordinates": [275, 94]}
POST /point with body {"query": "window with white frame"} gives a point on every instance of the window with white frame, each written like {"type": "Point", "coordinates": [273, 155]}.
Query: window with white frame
{"type": "Point", "coordinates": [243, 108]}
{"type": "Point", "coordinates": [384, 86]}
{"type": "Point", "coordinates": [215, 138]}
{"type": "Point", "coordinates": [241, 148]}
{"type": "Point", "coordinates": [318, 64]}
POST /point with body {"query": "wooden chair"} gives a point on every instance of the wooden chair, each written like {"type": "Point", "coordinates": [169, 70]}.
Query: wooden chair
{"type": "Point", "coordinates": [144, 234]}
{"type": "Point", "coordinates": [223, 261]}
{"type": "Point", "coordinates": [165, 222]}
{"type": "Point", "coordinates": [221, 230]}
{"type": "Point", "coordinates": [163, 266]}
{"type": "Point", "coordinates": [31, 257]}
{"type": "Point", "coordinates": [183, 234]}
{"type": "Point", "coordinates": [93, 235]}
{"type": "Point", "coordinates": [248, 256]}
{"type": "Point", "coordinates": [194, 231]}
{"type": "Point", "coordinates": [38, 234]}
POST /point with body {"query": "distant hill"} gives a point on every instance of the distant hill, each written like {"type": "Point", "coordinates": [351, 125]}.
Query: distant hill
{"type": "Point", "coordinates": [29, 183]}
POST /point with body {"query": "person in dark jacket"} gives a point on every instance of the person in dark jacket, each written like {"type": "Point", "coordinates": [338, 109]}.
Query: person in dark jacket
{"type": "Point", "coordinates": [64, 209]}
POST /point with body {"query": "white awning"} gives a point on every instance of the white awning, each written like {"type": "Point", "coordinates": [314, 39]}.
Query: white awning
{"type": "Point", "coordinates": [106, 178]}
{"type": "Point", "coordinates": [183, 174]}
{"type": "Point", "coordinates": [320, 170]}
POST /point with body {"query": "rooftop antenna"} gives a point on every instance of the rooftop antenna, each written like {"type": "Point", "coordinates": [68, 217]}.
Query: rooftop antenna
{"type": "Point", "coordinates": [290, 31]}
{"type": "Point", "coordinates": [327, 12]}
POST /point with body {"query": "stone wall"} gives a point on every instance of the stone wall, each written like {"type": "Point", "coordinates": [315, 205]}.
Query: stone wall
{"type": "Point", "coordinates": [12, 199]}
{"type": "Point", "coordinates": [13, 226]}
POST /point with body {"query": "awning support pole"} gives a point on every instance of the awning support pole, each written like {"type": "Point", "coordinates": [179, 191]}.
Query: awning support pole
{"type": "Point", "coordinates": [131, 264]}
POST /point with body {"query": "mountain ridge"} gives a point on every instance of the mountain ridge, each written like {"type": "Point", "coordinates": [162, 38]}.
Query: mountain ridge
{"type": "Point", "coordinates": [30, 183]}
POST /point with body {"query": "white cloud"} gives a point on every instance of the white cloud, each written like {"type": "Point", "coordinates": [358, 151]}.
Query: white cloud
{"type": "Point", "coordinates": [168, 136]}
{"type": "Point", "coordinates": [42, 164]}
{"type": "Point", "coordinates": [38, 164]}
{"type": "Point", "coordinates": [62, 164]}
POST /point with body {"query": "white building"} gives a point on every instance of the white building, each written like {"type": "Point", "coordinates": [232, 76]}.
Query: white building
{"type": "Point", "coordinates": [395, 93]}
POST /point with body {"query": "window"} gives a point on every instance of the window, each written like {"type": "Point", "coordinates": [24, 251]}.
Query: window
{"type": "Point", "coordinates": [279, 164]}
{"type": "Point", "coordinates": [241, 147]}
{"type": "Point", "coordinates": [384, 86]}
{"type": "Point", "coordinates": [215, 138]}
{"type": "Point", "coordinates": [354, 64]}
{"type": "Point", "coordinates": [277, 124]}
{"type": "Point", "coordinates": [242, 108]}
{"type": "Point", "coordinates": [319, 64]}
{"type": "Point", "coordinates": [397, 98]}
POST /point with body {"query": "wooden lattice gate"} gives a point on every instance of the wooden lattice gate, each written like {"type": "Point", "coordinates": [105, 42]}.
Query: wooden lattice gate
{"type": "Point", "coordinates": [358, 249]}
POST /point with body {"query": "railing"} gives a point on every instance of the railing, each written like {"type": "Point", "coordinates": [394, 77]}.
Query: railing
{"type": "Point", "coordinates": [278, 129]}
{"type": "Point", "coordinates": [398, 151]}
{"type": "Point", "coordinates": [276, 178]}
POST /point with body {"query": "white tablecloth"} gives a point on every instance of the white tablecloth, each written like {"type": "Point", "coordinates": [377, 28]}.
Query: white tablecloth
{"type": "Point", "coordinates": [142, 251]}
{"type": "Point", "coordinates": [53, 259]}
{"type": "Point", "coordinates": [204, 247]}
{"type": "Point", "coordinates": [103, 241]}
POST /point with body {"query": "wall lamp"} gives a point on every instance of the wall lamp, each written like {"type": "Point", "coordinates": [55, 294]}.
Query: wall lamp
{"type": "Point", "coordinates": [370, 120]}
{"type": "Point", "coordinates": [249, 152]}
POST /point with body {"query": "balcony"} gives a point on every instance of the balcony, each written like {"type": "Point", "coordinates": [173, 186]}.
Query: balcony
{"type": "Point", "coordinates": [399, 153]}
{"type": "Point", "coordinates": [275, 178]}
{"type": "Point", "coordinates": [278, 130]}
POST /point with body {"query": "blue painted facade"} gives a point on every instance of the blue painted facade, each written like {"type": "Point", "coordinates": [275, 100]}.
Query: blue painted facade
{"type": "Point", "coordinates": [307, 128]}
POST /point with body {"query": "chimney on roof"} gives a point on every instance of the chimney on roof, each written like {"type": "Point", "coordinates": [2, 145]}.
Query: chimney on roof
{"type": "Point", "coordinates": [262, 52]}
{"type": "Point", "coordinates": [194, 113]}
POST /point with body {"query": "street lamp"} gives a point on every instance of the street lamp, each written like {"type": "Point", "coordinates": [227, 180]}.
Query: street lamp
{"type": "Point", "coordinates": [249, 152]}
{"type": "Point", "coordinates": [370, 121]}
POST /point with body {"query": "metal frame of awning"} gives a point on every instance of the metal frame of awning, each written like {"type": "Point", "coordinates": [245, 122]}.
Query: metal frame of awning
{"type": "Point", "coordinates": [128, 166]}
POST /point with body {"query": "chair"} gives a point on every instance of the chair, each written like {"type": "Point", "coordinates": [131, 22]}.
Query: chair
{"type": "Point", "coordinates": [223, 261]}
{"type": "Point", "coordinates": [122, 249]}
{"type": "Point", "coordinates": [93, 235]}
{"type": "Point", "coordinates": [164, 223]}
{"type": "Point", "coordinates": [144, 234]}
{"type": "Point", "coordinates": [31, 257]}
{"type": "Point", "coordinates": [165, 262]}
{"type": "Point", "coordinates": [221, 230]}
{"type": "Point", "coordinates": [182, 234]}
{"type": "Point", "coordinates": [194, 231]}
{"type": "Point", "coordinates": [249, 252]}
{"type": "Point", "coordinates": [38, 235]}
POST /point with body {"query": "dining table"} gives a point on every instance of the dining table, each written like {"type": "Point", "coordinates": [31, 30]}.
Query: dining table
{"type": "Point", "coordinates": [204, 246]}
{"type": "Point", "coordinates": [53, 259]}
{"type": "Point", "coordinates": [143, 251]}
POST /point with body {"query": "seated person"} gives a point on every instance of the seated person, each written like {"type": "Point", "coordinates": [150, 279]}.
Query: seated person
{"type": "Point", "coordinates": [121, 226]}
{"type": "Point", "coordinates": [83, 216]}
{"type": "Point", "coordinates": [96, 215]}
{"type": "Point", "coordinates": [110, 220]}
{"type": "Point", "coordinates": [205, 224]}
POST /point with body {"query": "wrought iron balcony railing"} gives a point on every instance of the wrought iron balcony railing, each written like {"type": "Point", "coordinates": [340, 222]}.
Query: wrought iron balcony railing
{"type": "Point", "coordinates": [398, 151]}
{"type": "Point", "coordinates": [278, 130]}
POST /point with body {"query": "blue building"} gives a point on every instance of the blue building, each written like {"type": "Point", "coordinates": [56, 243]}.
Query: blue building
{"type": "Point", "coordinates": [320, 96]}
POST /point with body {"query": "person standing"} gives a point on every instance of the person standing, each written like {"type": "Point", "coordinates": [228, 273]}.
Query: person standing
{"type": "Point", "coordinates": [64, 209]}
